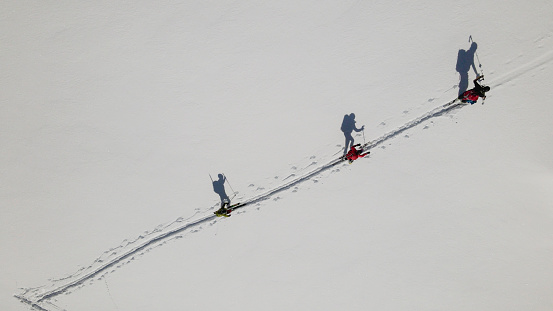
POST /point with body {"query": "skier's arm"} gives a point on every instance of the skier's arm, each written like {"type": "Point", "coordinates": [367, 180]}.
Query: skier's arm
{"type": "Point", "coordinates": [478, 86]}
{"type": "Point", "coordinates": [476, 82]}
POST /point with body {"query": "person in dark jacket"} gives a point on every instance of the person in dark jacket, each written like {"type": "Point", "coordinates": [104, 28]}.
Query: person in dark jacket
{"type": "Point", "coordinates": [472, 95]}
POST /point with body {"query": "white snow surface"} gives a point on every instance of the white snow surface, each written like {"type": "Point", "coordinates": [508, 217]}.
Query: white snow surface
{"type": "Point", "coordinates": [114, 114]}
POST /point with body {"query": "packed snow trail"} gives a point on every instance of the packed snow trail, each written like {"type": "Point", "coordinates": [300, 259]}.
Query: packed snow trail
{"type": "Point", "coordinates": [38, 297]}
{"type": "Point", "coordinates": [432, 114]}
{"type": "Point", "coordinates": [96, 271]}
{"type": "Point", "coordinates": [535, 64]}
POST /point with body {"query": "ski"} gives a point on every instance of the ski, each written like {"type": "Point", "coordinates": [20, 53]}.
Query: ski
{"type": "Point", "coordinates": [225, 211]}
{"type": "Point", "coordinates": [451, 103]}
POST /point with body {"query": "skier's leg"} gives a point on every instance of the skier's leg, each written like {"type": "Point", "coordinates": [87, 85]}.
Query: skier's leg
{"type": "Point", "coordinates": [463, 82]}
{"type": "Point", "coordinates": [349, 142]}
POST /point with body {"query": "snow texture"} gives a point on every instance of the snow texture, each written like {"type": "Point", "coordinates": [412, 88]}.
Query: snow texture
{"type": "Point", "coordinates": [115, 115]}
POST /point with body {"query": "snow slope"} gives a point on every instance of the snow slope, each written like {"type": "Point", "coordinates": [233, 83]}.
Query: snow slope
{"type": "Point", "coordinates": [114, 114]}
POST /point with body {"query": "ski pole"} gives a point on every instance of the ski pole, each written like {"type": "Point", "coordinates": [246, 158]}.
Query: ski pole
{"type": "Point", "coordinates": [477, 58]}
{"type": "Point", "coordinates": [364, 142]}
{"type": "Point", "coordinates": [229, 183]}
{"type": "Point", "coordinates": [210, 178]}
{"type": "Point", "coordinates": [480, 65]}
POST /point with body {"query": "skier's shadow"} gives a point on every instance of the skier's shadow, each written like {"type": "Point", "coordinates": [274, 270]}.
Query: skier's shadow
{"type": "Point", "coordinates": [465, 60]}
{"type": "Point", "coordinates": [219, 188]}
{"type": "Point", "coordinates": [348, 126]}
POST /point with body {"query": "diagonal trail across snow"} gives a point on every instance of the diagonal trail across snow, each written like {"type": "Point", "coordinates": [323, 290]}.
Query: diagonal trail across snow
{"type": "Point", "coordinates": [38, 297]}
{"type": "Point", "coordinates": [432, 114]}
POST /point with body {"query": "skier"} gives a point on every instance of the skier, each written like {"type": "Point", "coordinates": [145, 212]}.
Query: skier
{"type": "Point", "coordinates": [348, 126]}
{"type": "Point", "coordinates": [355, 153]}
{"type": "Point", "coordinates": [472, 95]}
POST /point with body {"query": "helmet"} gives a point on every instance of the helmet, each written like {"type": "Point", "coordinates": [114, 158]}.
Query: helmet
{"type": "Point", "coordinates": [486, 88]}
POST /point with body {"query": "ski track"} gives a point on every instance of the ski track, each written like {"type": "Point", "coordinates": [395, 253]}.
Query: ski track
{"type": "Point", "coordinates": [535, 64]}
{"type": "Point", "coordinates": [39, 298]}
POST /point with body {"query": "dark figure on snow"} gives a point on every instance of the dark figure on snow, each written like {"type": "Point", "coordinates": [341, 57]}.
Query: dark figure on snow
{"type": "Point", "coordinates": [355, 153]}
{"type": "Point", "coordinates": [219, 188]}
{"type": "Point", "coordinates": [465, 60]}
{"type": "Point", "coordinates": [348, 126]}
{"type": "Point", "coordinates": [471, 96]}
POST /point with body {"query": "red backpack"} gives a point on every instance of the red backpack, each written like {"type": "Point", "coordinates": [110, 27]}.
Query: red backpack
{"type": "Point", "coordinates": [470, 95]}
